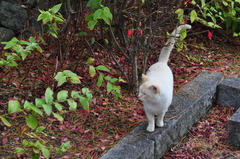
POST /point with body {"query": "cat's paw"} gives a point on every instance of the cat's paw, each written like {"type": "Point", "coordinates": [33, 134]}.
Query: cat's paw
{"type": "Point", "coordinates": [150, 128]}
{"type": "Point", "coordinates": [160, 124]}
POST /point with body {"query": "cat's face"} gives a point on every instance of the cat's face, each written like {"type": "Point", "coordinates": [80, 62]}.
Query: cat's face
{"type": "Point", "coordinates": [148, 91]}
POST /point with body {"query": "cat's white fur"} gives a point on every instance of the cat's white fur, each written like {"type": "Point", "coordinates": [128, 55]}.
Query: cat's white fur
{"type": "Point", "coordinates": [156, 91]}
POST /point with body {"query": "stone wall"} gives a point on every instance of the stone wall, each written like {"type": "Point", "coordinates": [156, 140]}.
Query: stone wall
{"type": "Point", "coordinates": [19, 17]}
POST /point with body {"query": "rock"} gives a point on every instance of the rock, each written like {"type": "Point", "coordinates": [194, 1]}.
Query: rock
{"type": "Point", "coordinates": [234, 129]}
{"type": "Point", "coordinates": [229, 92]}
{"type": "Point", "coordinates": [6, 34]}
{"type": "Point", "coordinates": [31, 3]}
{"type": "Point", "coordinates": [12, 16]}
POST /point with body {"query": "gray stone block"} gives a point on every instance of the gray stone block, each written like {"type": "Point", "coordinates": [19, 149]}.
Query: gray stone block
{"type": "Point", "coordinates": [12, 16]}
{"type": "Point", "coordinates": [234, 129]}
{"type": "Point", "coordinates": [188, 106]}
{"type": "Point", "coordinates": [132, 147]}
{"type": "Point", "coordinates": [6, 34]}
{"type": "Point", "coordinates": [229, 92]}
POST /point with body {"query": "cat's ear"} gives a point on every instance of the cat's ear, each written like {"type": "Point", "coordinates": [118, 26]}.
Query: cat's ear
{"type": "Point", "coordinates": [155, 89]}
{"type": "Point", "coordinates": [145, 78]}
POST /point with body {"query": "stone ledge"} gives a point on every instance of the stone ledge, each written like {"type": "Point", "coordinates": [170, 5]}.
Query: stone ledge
{"type": "Point", "coordinates": [229, 92]}
{"type": "Point", "coordinates": [234, 129]}
{"type": "Point", "coordinates": [188, 106]}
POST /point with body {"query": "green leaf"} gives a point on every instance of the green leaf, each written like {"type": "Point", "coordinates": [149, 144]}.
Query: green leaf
{"type": "Point", "coordinates": [5, 121]}
{"type": "Point", "coordinates": [92, 71]}
{"type": "Point", "coordinates": [183, 34]}
{"type": "Point", "coordinates": [36, 154]}
{"type": "Point", "coordinates": [62, 95]}
{"type": "Point", "coordinates": [100, 80]}
{"type": "Point", "coordinates": [18, 150]}
{"type": "Point", "coordinates": [193, 16]}
{"type": "Point", "coordinates": [97, 14]}
{"type": "Point", "coordinates": [47, 108]}
{"type": "Point", "coordinates": [55, 8]}
{"type": "Point", "coordinates": [58, 106]}
{"type": "Point", "coordinates": [45, 152]}
{"type": "Point", "coordinates": [94, 3]}
{"type": "Point", "coordinates": [65, 146]}
{"type": "Point", "coordinates": [75, 94]}
{"type": "Point", "coordinates": [84, 102]}
{"type": "Point", "coordinates": [90, 60]}
{"type": "Point", "coordinates": [75, 80]}
{"type": "Point", "coordinates": [39, 102]}
{"type": "Point", "coordinates": [27, 105]}
{"type": "Point", "coordinates": [14, 106]}
{"type": "Point", "coordinates": [69, 73]}
{"type": "Point", "coordinates": [72, 104]}
{"type": "Point", "coordinates": [40, 129]}
{"type": "Point", "coordinates": [91, 24]}
{"type": "Point", "coordinates": [93, 40]}
{"type": "Point", "coordinates": [102, 68]}
{"type": "Point", "coordinates": [61, 78]}
{"type": "Point", "coordinates": [31, 121]}
{"type": "Point", "coordinates": [49, 96]}
{"type": "Point", "coordinates": [109, 87]}
{"type": "Point", "coordinates": [57, 116]}
{"type": "Point", "coordinates": [82, 34]}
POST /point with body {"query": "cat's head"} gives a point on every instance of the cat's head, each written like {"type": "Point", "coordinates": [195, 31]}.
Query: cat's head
{"type": "Point", "coordinates": [148, 91]}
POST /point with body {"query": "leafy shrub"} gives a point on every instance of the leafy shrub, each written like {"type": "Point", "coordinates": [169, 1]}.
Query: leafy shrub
{"type": "Point", "coordinates": [214, 13]}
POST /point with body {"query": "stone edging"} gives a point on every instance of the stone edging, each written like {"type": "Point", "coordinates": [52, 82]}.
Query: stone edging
{"type": "Point", "coordinates": [190, 104]}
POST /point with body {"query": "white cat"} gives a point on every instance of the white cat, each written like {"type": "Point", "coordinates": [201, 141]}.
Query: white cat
{"type": "Point", "coordinates": [156, 91]}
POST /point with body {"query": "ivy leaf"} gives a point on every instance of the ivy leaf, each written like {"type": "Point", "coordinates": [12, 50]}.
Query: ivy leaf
{"type": "Point", "coordinates": [13, 106]}
{"type": "Point", "coordinates": [49, 96]}
{"type": "Point", "coordinates": [62, 95]}
{"type": "Point", "coordinates": [5, 121]}
{"type": "Point", "coordinates": [31, 121]}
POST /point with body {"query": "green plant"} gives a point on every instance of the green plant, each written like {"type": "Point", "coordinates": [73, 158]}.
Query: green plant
{"type": "Point", "coordinates": [99, 12]}
{"type": "Point", "coordinates": [213, 13]}
{"type": "Point", "coordinates": [46, 107]}
{"type": "Point", "coordinates": [110, 86]}
{"type": "Point", "coordinates": [52, 18]}
{"type": "Point", "coordinates": [20, 50]}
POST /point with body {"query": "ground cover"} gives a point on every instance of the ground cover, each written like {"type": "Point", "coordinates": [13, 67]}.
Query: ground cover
{"type": "Point", "coordinates": [93, 133]}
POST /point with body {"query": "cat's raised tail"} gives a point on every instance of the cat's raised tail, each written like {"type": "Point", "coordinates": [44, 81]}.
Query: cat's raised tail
{"type": "Point", "coordinates": [166, 50]}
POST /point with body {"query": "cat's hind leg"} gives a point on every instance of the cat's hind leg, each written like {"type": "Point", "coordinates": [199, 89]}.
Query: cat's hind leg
{"type": "Point", "coordinates": [151, 121]}
{"type": "Point", "coordinates": [159, 121]}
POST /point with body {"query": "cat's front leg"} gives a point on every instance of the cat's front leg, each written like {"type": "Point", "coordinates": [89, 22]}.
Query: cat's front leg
{"type": "Point", "coordinates": [151, 122]}
{"type": "Point", "coordinates": [159, 121]}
